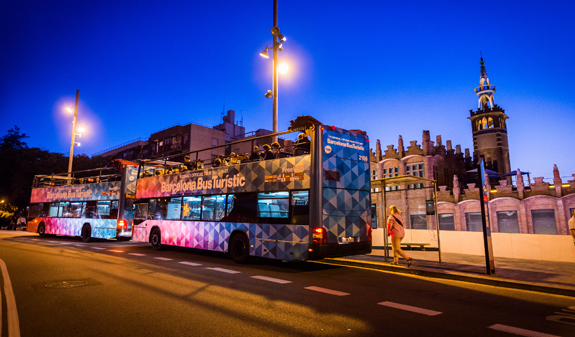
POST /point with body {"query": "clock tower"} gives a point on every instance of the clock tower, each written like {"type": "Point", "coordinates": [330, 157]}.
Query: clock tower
{"type": "Point", "coordinates": [489, 127]}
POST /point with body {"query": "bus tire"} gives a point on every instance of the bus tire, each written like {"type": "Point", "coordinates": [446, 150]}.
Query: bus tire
{"type": "Point", "coordinates": [156, 239]}
{"type": "Point", "coordinates": [42, 230]}
{"type": "Point", "coordinates": [86, 233]}
{"type": "Point", "coordinates": [239, 248]}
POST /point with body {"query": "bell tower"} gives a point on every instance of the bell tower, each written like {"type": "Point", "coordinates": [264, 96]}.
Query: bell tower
{"type": "Point", "coordinates": [489, 128]}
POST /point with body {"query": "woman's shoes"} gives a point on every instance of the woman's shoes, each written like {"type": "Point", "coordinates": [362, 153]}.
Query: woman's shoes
{"type": "Point", "coordinates": [409, 261]}
{"type": "Point", "coordinates": [395, 264]}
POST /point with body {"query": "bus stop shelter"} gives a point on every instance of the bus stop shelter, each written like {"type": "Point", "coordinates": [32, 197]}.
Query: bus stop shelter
{"type": "Point", "coordinates": [384, 183]}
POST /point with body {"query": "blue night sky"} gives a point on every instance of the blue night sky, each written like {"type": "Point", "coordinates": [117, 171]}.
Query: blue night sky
{"type": "Point", "coordinates": [387, 67]}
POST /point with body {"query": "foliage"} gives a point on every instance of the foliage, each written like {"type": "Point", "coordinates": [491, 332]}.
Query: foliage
{"type": "Point", "coordinates": [19, 164]}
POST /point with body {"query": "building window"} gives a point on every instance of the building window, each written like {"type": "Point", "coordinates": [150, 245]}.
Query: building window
{"type": "Point", "coordinates": [418, 221]}
{"type": "Point", "coordinates": [186, 138]}
{"type": "Point", "coordinates": [507, 222]}
{"type": "Point", "coordinates": [544, 221]}
{"type": "Point", "coordinates": [473, 222]}
{"type": "Point", "coordinates": [446, 222]}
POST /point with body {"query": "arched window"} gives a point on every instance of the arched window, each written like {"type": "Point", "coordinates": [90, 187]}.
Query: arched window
{"type": "Point", "coordinates": [484, 123]}
{"type": "Point", "coordinates": [490, 123]}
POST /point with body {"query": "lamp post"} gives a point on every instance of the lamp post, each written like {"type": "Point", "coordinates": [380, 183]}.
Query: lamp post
{"type": "Point", "coordinates": [278, 38]}
{"type": "Point", "coordinates": [73, 135]}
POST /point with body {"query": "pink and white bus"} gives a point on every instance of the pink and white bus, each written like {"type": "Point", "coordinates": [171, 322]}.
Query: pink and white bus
{"type": "Point", "coordinates": [94, 203]}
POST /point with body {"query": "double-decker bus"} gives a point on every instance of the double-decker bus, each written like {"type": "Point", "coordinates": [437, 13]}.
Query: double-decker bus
{"type": "Point", "coordinates": [311, 205]}
{"type": "Point", "coordinates": [95, 203]}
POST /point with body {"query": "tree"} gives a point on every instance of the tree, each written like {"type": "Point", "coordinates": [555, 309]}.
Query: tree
{"type": "Point", "coordinates": [13, 140]}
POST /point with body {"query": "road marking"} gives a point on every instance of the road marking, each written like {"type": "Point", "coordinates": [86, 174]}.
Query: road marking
{"type": "Point", "coordinates": [518, 331]}
{"type": "Point", "coordinates": [190, 263]}
{"type": "Point", "coordinates": [11, 309]}
{"type": "Point", "coordinates": [116, 251]}
{"type": "Point", "coordinates": [163, 258]}
{"type": "Point", "coordinates": [78, 245]}
{"type": "Point", "coordinates": [227, 271]}
{"type": "Point", "coordinates": [136, 254]}
{"type": "Point", "coordinates": [271, 279]}
{"type": "Point", "coordinates": [34, 239]}
{"type": "Point", "coordinates": [327, 291]}
{"type": "Point", "coordinates": [65, 243]}
{"type": "Point", "coordinates": [97, 248]}
{"type": "Point", "coordinates": [410, 308]}
{"type": "Point", "coordinates": [54, 241]}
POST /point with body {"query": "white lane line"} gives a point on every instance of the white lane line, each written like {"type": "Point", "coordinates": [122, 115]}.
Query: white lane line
{"type": "Point", "coordinates": [116, 251]}
{"type": "Point", "coordinates": [11, 309]}
{"type": "Point", "coordinates": [327, 291]}
{"type": "Point", "coordinates": [136, 254]}
{"type": "Point", "coordinates": [227, 271]}
{"type": "Point", "coordinates": [410, 308]}
{"type": "Point", "coordinates": [163, 258]}
{"type": "Point", "coordinates": [65, 243]}
{"type": "Point", "coordinates": [54, 241]}
{"type": "Point", "coordinates": [190, 263]}
{"type": "Point", "coordinates": [271, 279]}
{"type": "Point", "coordinates": [97, 248]}
{"type": "Point", "coordinates": [518, 331]}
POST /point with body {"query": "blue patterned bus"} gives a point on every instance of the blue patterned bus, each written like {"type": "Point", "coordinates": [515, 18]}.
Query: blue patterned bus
{"type": "Point", "coordinates": [311, 205]}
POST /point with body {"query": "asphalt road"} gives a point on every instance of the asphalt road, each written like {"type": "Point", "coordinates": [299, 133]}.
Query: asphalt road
{"type": "Point", "coordinates": [64, 287]}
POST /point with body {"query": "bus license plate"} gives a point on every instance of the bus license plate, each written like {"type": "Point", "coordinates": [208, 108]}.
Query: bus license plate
{"type": "Point", "coordinates": [350, 239]}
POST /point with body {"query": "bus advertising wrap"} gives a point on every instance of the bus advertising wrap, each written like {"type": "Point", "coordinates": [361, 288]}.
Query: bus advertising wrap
{"type": "Point", "coordinates": [277, 175]}
{"type": "Point", "coordinates": [85, 192]}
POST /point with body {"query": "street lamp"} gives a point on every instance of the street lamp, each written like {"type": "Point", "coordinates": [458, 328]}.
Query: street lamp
{"type": "Point", "coordinates": [73, 134]}
{"type": "Point", "coordinates": [278, 38]}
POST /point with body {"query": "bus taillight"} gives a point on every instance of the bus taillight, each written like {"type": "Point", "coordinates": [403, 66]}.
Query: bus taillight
{"type": "Point", "coordinates": [319, 235]}
{"type": "Point", "coordinates": [369, 233]}
{"type": "Point", "coordinates": [121, 223]}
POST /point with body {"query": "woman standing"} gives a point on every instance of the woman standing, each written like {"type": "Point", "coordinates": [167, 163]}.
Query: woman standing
{"type": "Point", "coordinates": [396, 230]}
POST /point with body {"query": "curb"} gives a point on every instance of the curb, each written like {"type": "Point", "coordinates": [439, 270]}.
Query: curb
{"type": "Point", "coordinates": [458, 276]}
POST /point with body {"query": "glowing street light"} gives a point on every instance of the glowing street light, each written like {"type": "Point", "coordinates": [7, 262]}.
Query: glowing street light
{"type": "Point", "coordinates": [283, 68]}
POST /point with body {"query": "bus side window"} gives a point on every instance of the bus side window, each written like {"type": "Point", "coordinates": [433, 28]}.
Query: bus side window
{"type": "Point", "coordinates": [90, 210]}
{"type": "Point", "coordinates": [300, 207]}
{"type": "Point", "coordinates": [53, 209]}
{"type": "Point", "coordinates": [242, 207]}
{"type": "Point", "coordinates": [114, 209]}
{"type": "Point", "coordinates": [141, 211]}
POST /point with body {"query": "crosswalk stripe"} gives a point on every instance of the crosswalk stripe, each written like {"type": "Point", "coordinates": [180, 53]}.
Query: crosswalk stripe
{"type": "Point", "coordinates": [271, 279]}
{"type": "Point", "coordinates": [136, 254]}
{"type": "Point", "coordinates": [327, 291]}
{"type": "Point", "coordinates": [410, 308]}
{"type": "Point", "coordinates": [227, 271]}
{"type": "Point", "coordinates": [518, 331]}
{"type": "Point", "coordinates": [190, 263]}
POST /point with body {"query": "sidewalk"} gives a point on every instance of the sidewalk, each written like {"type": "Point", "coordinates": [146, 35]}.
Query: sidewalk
{"type": "Point", "coordinates": [542, 276]}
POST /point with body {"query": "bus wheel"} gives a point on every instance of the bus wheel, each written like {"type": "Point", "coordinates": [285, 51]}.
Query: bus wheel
{"type": "Point", "coordinates": [42, 230]}
{"type": "Point", "coordinates": [156, 239]}
{"type": "Point", "coordinates": [86, 233]}
{"type": "Point", "coordinates": [239, 248]}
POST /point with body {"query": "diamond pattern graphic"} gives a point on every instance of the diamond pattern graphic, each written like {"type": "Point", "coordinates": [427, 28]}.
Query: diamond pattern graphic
{"type": "Point", "coordinates": [269, 175]}
{"type": "Point", "coordinates": [101, 228]}
{"type": "Point", "coordinates": [284, 242]}
{"type": "Point", "coordinates": [82, 192]}
{"type": "Point", "coordinates": [347, 202]}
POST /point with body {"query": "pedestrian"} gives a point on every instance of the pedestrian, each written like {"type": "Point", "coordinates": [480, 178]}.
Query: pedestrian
{"type": "Point", "coordinates": [268, 154]}
{"type": "Point", "coordinates": [396, 230]}
{"type": "Point", "coordinates": [572, 226]}
{"type": "Point", "coordinates": [255, 156]}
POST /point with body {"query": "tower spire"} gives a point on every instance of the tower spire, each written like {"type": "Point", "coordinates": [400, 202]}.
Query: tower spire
{"type": "Point", "coordinates": [485, 90]}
